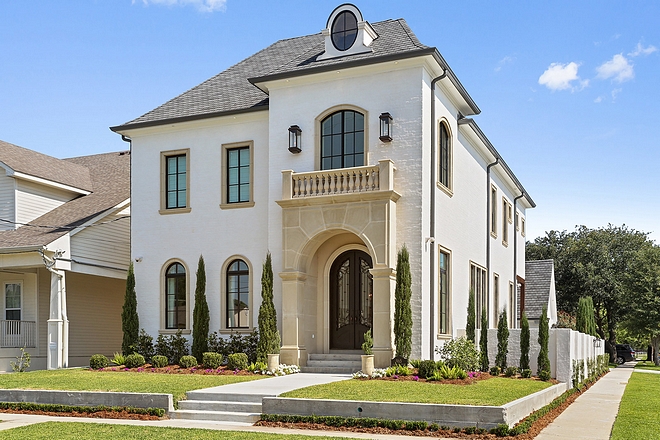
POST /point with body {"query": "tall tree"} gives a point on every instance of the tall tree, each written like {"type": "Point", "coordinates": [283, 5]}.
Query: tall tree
{"type": "Point", "coordinates": [585, 320]}
{"type": "Point", "coordinates": [200, 314]}
{"type": "Point", "coordinates": [483, 341]}
{"type": "Point", "coordinates": [543, 360]}
{"type": "Point", "coordinates": [524, 342]}
{"type": "Point", "coordinates": [130, 322]}
{"type": "Point", "coordinates": [469, 328]}
{"type": "Point", "coordinates": [269, 336]}
{"type": "Point", "coordinates": [502, 341]}
{"type": "Point", "coordinates": [402, 308]}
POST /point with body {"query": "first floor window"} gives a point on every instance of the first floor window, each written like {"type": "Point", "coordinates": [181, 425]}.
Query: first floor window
{"type": "Point", "coordinates": [512, 305]}
{"type": "Point", "coordinates": [496, 298]}
{"type": "Point", "coordinates": [443, 325]}
{"type": "Point", "coordinates": [238, 295]}
{"type": "Point", "coordinates": [238, 175]}
{"type": "Point", "coordinates": [13, 302]}
{"type": "Point", "coordinates": [175, 297]}
{"type": "Point", "coordinates": [478, 286]}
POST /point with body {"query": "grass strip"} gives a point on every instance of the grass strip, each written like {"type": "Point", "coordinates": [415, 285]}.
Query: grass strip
{"type": "Point", "coordinates": [49, 407]}
{"type": "Point", "coordinates": [646, 365]}
{"type": "Point", "coordinates": [638, 411]}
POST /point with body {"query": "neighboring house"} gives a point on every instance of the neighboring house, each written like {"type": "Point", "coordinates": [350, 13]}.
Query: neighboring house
{"type": "Point", "coordinates": [539, 291]}
{"type": "Point", "coordinates": [64, 253]}
{"type": "Point", "coordinates": [331, 151]}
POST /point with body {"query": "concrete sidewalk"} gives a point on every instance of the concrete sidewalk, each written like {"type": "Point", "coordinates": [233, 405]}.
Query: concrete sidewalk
{"type": "Point", "coordinates": [592, 414]}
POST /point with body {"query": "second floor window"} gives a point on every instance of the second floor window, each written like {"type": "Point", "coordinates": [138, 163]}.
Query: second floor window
{"type": "Point", "coordinates": [238, 175]}
{"type": "Point", "coordinates": [176, 182]}
{"type": "Point", "coordinates": [342, 140]}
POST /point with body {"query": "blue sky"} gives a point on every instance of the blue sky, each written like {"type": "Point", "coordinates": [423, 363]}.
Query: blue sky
{"type": "Point", "coordinates": [569, 91]}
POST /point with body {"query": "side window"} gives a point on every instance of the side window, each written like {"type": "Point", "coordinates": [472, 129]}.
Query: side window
{"type": "Point", "coordinates": [237, 175]}
{"type": "Point", "coordinates": [175, 182]}
{"type": "Point", "coordinates": [342, 140]}
{"type": "Point", "coordinates": [493, 211]}
{"type": "Point", "coordinates": [238, 295]}
{"type": "Point", "coordinates": [478, 286]}
{"type": "Point", "coordinates": [444, 264]}
{"type": "Point", "coordinates": [444, 150]}
{"type": "Point", "coordinates": [176, 310]}
{"type": "Point", "coordinates": [13, 302]}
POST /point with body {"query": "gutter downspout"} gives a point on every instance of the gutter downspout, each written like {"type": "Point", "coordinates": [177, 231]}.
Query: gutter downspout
{"type": "Point", "coordinates": [432, 335]}
{"type": "Point", "coordinates": [514, 318]}
{"type": "Point", "coordinates": [489, 221]}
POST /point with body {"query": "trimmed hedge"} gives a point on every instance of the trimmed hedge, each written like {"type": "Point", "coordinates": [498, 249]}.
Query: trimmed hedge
{"type": "Point", "coordinates": [134, 360]}
{"type": "Point", "coordinates": [98, 361]}
{"type": "Point", "coordinates": [211, 360]}
{"type": "Point", "coordinates": [159, 361]}
{"type": "Point", "coordinates": [188, 361]}
{"type": "Point", "coordinates": [27, 406]}
{"type": "Point", "coordinates": [237, 361]}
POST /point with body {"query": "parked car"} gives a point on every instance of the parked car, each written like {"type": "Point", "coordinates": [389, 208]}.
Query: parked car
{"type": "Point", "coordinates": [624, 353]}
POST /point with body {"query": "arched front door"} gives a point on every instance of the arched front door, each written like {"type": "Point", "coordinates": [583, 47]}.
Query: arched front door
{"type": "Point", "coordinates": [351, 300]}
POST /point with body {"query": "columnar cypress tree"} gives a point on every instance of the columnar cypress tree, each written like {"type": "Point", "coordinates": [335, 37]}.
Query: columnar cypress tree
{"type": "Point", "coordinates": [130, 322]}
{"type": "Point", "coordinates": [524, 342]}
{"type": "Point", "coordinates": [402, 311]}
{"type": "Point", "coordinates": [200, 314]}
{"type": "Point", "coordinates": [469, 328]}
{"type": "Point", "coordinates": [269, 337]}
{"type": "Point", "coordinates": [502, 341]}
{"type": "Point", "coordinates": [585, 321]}
{"type": "Point", "coordinates": [483, 341]}
{"type": "Point", "coordinates": [543, 360]}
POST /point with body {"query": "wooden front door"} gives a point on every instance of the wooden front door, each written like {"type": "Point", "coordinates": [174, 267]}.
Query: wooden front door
{"type": "Point", "coordinates": [351, 300]}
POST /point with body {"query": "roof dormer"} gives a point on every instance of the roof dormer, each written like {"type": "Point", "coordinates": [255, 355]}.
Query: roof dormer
{"type": "Point", "coordinates": [346, 33]}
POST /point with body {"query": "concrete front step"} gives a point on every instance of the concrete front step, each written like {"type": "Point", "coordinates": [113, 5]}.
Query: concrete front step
{"type": "Point", "coordinates": [330, 370]}
{"type": "Point", "coordinates": [216, 416]}
{"type": "Point", "coordinates": [335, 357]}
{"type": "Point", "coordinates": [225, 397]}
{"type": "Point", "coordinates": [209, 405]}
{"type": "Point", "coordinates": [338, 363]}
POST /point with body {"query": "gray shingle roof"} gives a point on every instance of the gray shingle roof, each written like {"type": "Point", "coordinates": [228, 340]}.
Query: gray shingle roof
{"type": "Point", "coordinates": [46, 167]}
{"type": "Point", "coordinates": [232, 91]}
{"type": "Point", "coordinates": [109, 176]}
{"type": "Point", "coordinates": [538, 278]}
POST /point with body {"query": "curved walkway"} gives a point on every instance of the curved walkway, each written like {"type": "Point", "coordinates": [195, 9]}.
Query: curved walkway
{"type": "Point", "coordinates": [592, 414]}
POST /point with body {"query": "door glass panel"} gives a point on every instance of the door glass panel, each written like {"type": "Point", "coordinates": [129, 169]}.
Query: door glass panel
{"type": "Point", "coordinates": [343, 294]}
{"type": "Point", "coordinates": [366, 294]}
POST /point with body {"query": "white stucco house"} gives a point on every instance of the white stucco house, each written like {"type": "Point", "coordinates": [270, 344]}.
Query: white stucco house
{"type": "Point", "coordinates": [331, 151]}
{"type": "Point", "coordinates": [64, 254]}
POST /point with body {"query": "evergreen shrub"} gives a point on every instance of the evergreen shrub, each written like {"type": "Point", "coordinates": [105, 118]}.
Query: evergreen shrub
{"type": "Point", "coordinates": [211, 360]}
{"type": "Point", "coordinates": [237, 361]}
{"type": "Point", "coordinates": [98, 361]}
{"type": "Point", "coordinates": [159, 361]}
{"type": "Point", "coordinates": [134, 360]}
{"type": "Point", "coordinates": [426, 369]}
{"type": "Point", "coordinates": [188, 361]}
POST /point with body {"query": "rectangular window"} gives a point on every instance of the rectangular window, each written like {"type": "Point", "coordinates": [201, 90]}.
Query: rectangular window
{"type": "Point", "coordinates": [237, 181]}
{"type": "Point", "coordinates": [175, 182]}
{"type": "Point", "coordinates": [512, 305]}
{"type": "Point", "coordinates": [493, 213]}
{"type": "Point", "coordinates": [444, 174]}
{"type": "Point", "coordinates": [522, 226]}
{"type": "Point", "coordinates": [496, 298]}
{"type": "Point", "coordinates": [478, 286]}
{"type": "Point", "coordinates": [443, 291]}
{"type": "Point", "coordinates": [13, 302]}
{"type": "Point", "coordinates": [506, 220]}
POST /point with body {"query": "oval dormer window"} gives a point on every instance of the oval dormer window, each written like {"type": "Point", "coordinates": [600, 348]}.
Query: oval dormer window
{"type": "Point", "coordinates": [344, 30]}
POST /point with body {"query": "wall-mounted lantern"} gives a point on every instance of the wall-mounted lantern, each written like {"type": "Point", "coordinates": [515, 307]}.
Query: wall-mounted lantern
{"type": "Point", "coordinates": [597, 342]}
{"type": "Point", "coordinates": [294, 139]}
{"type": "Point", "coordinates": [385, 127]}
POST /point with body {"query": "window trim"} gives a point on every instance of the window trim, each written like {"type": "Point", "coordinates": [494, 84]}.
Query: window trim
{"type": "Point", "coordinates": [496, 297]}
{"type": "Point", "coordinates": [493, 211]}
{"type": "Point", "coordinates": [224, 175]}
{"type": "Point", "coordinates": [484, 298]}
{"type": "Point", "coordinates": [4, 298]}
{"type": "Point", "coordinates": [448, 331]}
{"type": "Point", "coordinates": [164, 210]}
{"type": "Point", "coordinates": [449, 188]}
{"type": "Point", "coordinates": [506, 221]}
{"type": "Point", "coordinates": [512, 312]}
{"type": "Point", "coordinates": [522, 226]}
{"type": "Point", "coordinates": [223, 296]}
{"type": "Point", "coordinates": [163, 286]}
{"type": "Point", "coordinates": [318, 125]}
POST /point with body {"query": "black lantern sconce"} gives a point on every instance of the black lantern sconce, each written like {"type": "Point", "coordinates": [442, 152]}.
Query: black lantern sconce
{"type": "Point", "coordinates": [294, 139]}
{"type": "Point", "coordinates": [597, 342]}
{"type": "Point", "coordinates": [385, 127]}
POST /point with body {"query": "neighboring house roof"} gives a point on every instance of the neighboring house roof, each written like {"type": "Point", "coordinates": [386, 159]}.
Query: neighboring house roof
{"type": "Point", "coordinates": [35, 164]}
{"type": "Point", "coordinates": [538, 286]}
{"type": "Point", "coordinates": [232, 91]}
{"type": "Point", "coordinates": [109, 176]}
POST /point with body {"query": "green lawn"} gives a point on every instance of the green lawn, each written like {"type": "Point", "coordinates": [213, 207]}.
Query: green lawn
{"type": "Point", "coordinates": [68, 430]}
{"type": "Point", "coordinates": [646, 365]}
{"type": "Point", "coordinates": [492, 392]}
{"type": "Point", "coordinates": [638, 413]}
{"type": "Point", "coordinates": [86, 380]}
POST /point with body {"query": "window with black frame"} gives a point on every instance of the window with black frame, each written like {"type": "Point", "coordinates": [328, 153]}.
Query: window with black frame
{"type": "Point", "coordinates": [175, 297]}
{"type": "Point", "coordinates": [342, 140]}
{"type": "Point", "coordinates": [238, 295]}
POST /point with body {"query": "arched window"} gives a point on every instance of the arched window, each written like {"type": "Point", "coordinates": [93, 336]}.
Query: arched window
{"type": "Point", "coordinates": [238, 295]}
{"type": "Point", "coordinates": [342, 140]}
{"type": "Point", "coordinates": [444, 175]}
{"type": "Point", "coordinates": [175, 297]}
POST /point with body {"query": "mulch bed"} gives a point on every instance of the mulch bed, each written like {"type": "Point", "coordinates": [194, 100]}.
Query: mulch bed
{"type": "Point", "coordinates": [175, 369]}
{"type": "Point", "coordinates": [94, 415]}
{"type": "Point", "coordinates": [468, 381]}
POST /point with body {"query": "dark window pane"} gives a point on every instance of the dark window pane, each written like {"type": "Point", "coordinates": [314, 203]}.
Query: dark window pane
{"type": "Point", "coordinates": [336, 162]}
{"type": "Point", "coordinates": [349, 121]}
{"type": "Point", "coordinates": [359, 143]}
{"type": "Point", "coordinates": [336, 145]}
{"type": "Point", "coordinates": [359, 121]}
{"type": "Point", "coordinates": [349, 161]}
{"type": "Point", "coordinates": [348, 143]}
{"type": "Point", "coordinates": [336, 123]}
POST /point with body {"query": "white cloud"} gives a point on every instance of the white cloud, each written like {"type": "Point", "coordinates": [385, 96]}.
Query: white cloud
{"type": "Point", "coordinates": [504, 61]}
{"type": "Point", "coordinates": [641, 50]}
{"type": "Point", "coordinates": [598, 100]}
{"type": "Point", "coordinates": [617, 68]}
{"type": "Point", "coordinates": [615, 93]}
{"type": "Point", "coordinates": [562, 76]}
{"type": "Point", "coordinates": [201, 5]}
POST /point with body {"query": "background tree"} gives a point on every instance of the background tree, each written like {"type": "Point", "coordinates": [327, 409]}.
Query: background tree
{"type": "Point", "coordinates": [200, 314]}
{"type": "Point", "coordinates": [483, 341]}
{"type": "Point", "coordinates": [269, 336]}
{"type": "Point", "coordinates": [585, 321]}
{"type": "Point", "coordinates": [469, 328]}
{"type": "Point", "coordinates": [524, 342]}
{"type": "Point", "coordinates": [502, 341]}
{"type": "Point", "coordinates": [402, 309]}
{"type": "Point", "coordinates": [130, 322]}
{"type": "Point", "coordinates": [543, 360]}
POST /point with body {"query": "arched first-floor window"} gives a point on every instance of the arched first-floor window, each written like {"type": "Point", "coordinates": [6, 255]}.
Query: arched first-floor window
{"type": "Point", "coordinates": [238, 295]}
{"type": "Point", "coordinates": [175, 297]}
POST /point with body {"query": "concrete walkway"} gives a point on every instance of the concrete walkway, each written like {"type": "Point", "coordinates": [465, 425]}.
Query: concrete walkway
{"type": "Point", "coordinates": [592, 414]}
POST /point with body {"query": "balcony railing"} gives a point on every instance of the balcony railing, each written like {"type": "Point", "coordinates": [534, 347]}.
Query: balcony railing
{"type": "Point", "coordinates": [16, 334]}
{"type": "Point", "coordinates": [338, 181]}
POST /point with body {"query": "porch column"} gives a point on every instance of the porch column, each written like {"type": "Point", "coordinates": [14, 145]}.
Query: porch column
{"type": "Point", "coordinates": [384, 284]}
{"type": "Point", "coordinates": [292, 352]}
{"type": "Point", "coordinates": [58, 324]}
